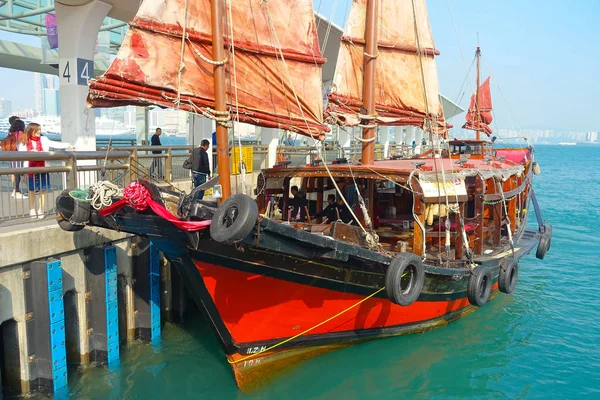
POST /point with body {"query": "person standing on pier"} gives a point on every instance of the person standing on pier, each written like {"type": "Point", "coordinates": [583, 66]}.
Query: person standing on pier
{"type": "Point", "coordinates": [32, 140]}
{"type": "Point", "coordinates": [10, 143]}
{"type": "Point", "coordinates": [156, 167]}
{"type": "Point", "coordinates": [200, 166]}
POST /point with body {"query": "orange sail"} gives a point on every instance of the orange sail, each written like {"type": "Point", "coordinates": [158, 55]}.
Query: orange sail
{"type": "Point", "coordinates": [482, 122]}
{"type": "Point", "coordinates": [406, 82]}
{"type": "Point", "coordinates": [277, 63]}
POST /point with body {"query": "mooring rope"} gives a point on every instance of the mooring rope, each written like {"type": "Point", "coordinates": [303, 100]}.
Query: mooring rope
{"type": "Point", "coordinates": [308, 330]}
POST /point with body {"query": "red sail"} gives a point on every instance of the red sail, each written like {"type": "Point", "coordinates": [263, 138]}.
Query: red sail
{"type": "Point", "coordinates": [485, 110]}
{"type": "Point", "coordinates": [271, 93]}
{"type": "Point", "coordinates": [406, 82]}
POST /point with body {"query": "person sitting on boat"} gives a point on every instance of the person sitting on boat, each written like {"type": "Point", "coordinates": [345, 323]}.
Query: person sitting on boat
{"type": "Point", "coordinates": [200, 166]}
{"type": "Point", "coordinates": [329, 212]}
{"type": "Point", "coordinates": [344, 213]}
{"type": "Point", "coordinates": [299, 203]}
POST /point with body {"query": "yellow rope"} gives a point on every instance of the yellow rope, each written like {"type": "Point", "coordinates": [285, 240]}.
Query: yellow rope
{"type": "Point", "coordinates": [306, 331]}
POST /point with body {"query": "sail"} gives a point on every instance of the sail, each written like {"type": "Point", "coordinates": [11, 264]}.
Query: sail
{"type": "Point", "coordinates": [406, 82]}
{"type": "Point", "coordinates": [278, 69]}
{"type": "Point", "coordinates": [485, 110]}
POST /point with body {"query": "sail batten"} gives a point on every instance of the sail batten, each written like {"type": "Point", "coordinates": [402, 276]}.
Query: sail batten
{"type": "Point", "coordinates": [480, 121]}
{"type": "Point", "coordinates": [147, 68]}
{"type": "Point", "coordinates": [406, 82]}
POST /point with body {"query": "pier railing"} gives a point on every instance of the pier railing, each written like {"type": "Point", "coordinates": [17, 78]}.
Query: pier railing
{"type": "Point", "coordinates": [124, 164]}
{"type": "Point", "coordinates": [62, 170]}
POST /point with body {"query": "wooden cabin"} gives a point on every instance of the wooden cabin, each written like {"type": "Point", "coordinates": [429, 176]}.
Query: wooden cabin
{"type": "Point", "coordinates": [405, 194]}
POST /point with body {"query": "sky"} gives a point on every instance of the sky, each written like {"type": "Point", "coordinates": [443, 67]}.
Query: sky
{"type": "Point", "coordinates": [542, 56]}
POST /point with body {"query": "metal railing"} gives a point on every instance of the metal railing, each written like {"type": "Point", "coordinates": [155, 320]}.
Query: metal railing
{"type": "Point", "coordinates": [124, 164]}
{"type": "Point", "coordinates": [35, 196]}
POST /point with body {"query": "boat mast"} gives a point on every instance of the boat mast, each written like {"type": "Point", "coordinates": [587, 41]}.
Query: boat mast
{"type": "Point", "coordinates": [368, 148]}
{"type": "Point", "coordinates": [218, 54]}
{"type": "Point", "coordinates": [478, 55]}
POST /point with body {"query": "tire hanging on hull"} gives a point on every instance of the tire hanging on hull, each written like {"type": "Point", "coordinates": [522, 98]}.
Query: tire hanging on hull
{"type": "Point", "coordinates": [234, 219]}
{"type": "Point", "coordinates": [404, 279]}
{"type": "Point", "coordinates": [480, 286]}
{"type": "Point", "coordinates": [507, 277]}
{"type": "Point", "coordinates": [545, 242]}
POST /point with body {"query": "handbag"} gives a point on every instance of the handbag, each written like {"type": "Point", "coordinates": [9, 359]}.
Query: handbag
{"type": "Point", "coordinates": [187, 164]}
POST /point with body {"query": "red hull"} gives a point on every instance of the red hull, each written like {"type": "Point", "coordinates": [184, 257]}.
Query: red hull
{"type": "Point", "coordinates": [260, 311]}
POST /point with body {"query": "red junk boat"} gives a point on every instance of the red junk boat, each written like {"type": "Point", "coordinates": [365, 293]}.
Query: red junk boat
{"type": "Point", "coordinates": [279, 290]}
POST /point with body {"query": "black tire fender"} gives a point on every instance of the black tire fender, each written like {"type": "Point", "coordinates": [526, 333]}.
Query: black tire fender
{"type": "Point", "coordinates": [404, 279]}
{"type": "Point", "coordinates": [545, 242]}
{"type": "Point", "coordinates": [82, 210]}
{"type": "Point", "coordinates": [480, 286]}
{"type": "Point", "coordinates": [508, 275]}
{"type": "Point", "coordinates": [66, 225]}
{"type": "Point", "coordinates": [234, 219]}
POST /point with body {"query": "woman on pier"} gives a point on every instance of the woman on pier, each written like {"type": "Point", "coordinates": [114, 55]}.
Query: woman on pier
{"type": "Point", "coordinates": [32, 140]}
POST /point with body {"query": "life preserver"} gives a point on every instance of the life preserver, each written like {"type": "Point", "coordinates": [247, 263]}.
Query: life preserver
{"type": "Point", "coordinates": [480, 286]}
{"type": "Point", "coordinates": [404, 279]}
{"type": "Point", "coordinates": [234, 219]}
{"type": "Point", "coordinates": [545, 242]}
{"type": "Point", "coordinates": [507, 277]}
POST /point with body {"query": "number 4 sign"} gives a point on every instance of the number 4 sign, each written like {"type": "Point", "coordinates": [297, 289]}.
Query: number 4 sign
{"type": "Point", "coordinates": [75, 71]}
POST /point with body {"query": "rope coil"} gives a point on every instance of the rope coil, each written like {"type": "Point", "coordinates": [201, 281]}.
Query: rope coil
{"type": "Point", "coordinates": [101, 194]}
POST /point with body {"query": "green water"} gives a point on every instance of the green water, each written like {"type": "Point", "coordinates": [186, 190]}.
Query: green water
{"type": "Point", "coordinates": [541, 342]}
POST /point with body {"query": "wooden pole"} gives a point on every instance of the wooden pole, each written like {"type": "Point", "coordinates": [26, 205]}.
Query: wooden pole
{"type": "Point", "coordinates": [368, 148]}
{"type": "Point", "coordinates": [218, 54]}
{"type": "Point", "coordinates": [478, 55]}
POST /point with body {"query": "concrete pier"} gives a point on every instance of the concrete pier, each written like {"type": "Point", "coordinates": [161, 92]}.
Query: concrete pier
{"type": "Point", "coordinates": [73, 299]}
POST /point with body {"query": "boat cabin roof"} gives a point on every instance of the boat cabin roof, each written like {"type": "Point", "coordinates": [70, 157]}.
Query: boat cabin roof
{"type": "Point", "coordinates": [397, 170]}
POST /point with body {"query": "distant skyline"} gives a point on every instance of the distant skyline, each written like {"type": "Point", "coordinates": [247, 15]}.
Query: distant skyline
{"type": "Point", "coordinates": [542, 55]}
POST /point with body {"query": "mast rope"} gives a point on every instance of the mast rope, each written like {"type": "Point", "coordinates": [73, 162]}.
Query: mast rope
{"type": "Point", "coordinates": [328, 26]}
{"type": "Point", "coordinates": [508, 227]}
{"type": "Point", "coordinates": [206, 59]}
{"type": "Point", "coordinates": [182, 55]}
{"type": "Point", "coordinates": [242, 166]}
{"type": "Point", "coordinates": [272, 29]}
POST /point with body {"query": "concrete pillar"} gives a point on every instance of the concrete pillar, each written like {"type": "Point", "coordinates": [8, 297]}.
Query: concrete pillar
{"type": "Point", "coordinates": [141, 126]}
{"type": "Point", "coordinates": [344, 139]}
{"type": "Point", "coordinates": [201, 128]}
{"type": "Point", "coordinates": [102, 306]}
{"type": "Point", "coordinates": [146, 272]}
{"type": "Point", "coordinates": [78, 28]}
{"type": "Point", "coordinates": [269, 137]}
{"type": "Point", "coordinates": [384, 138]}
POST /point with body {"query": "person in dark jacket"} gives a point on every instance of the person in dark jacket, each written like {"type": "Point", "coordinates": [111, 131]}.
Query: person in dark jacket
{"type": "Point", "coordinates": [200, 166]}
{"type": "Point", "coordinates": [299, 203]}
{"type": "Point", "coordinates": [329, 212]}
{"type": "Point", "coordinates": [344, 213]}
{"type": "Point", "coordinates": [156, 167]}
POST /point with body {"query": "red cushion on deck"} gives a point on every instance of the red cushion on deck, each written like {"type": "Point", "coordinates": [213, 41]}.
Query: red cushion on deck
{"type": "Point", "coordinates": [468, 227]}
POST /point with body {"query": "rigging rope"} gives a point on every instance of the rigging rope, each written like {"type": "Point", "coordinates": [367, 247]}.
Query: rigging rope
{"type": "Point", "coordinates": [242, 166]}
{"type": "Point", "coordinates": [272, 28]}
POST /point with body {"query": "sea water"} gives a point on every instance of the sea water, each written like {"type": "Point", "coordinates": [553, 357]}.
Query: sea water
{"type": "Point", "coordinates": [542, 342]}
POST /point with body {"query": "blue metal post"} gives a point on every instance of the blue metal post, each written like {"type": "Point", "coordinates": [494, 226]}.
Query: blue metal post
{"type": "Point", "coordinates": [155, 330]}
{"type": "Point", "coordinates": [102, 305]}
{"type": "Point", "coordinates": [45, 321]}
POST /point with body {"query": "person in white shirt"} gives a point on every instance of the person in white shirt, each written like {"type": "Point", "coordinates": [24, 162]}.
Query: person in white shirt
{"type": "Point", "coordinates": [32, 140]}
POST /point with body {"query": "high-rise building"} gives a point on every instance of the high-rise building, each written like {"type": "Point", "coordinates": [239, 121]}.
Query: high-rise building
{"type": "Point", "coordinates": [41, 84]}
{"type": "Point", "coordinates": [51, 102]}
{"type": "Point", "coordinates": [5, 108]}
